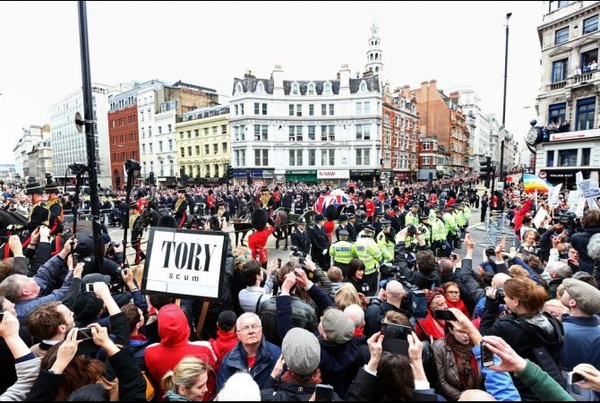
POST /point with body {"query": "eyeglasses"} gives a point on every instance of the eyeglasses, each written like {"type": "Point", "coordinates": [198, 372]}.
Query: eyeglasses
{"type": "Point", "coordinates": [452, 292]}
{"type": "Point", "coordinates": [246, 329]}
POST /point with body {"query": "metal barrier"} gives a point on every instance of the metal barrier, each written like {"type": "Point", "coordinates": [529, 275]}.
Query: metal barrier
{"type": "Point", "coordinates": [496, 228]}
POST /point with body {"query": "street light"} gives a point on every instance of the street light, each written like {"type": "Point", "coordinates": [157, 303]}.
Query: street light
{"type": "Point", "coordinates": [501, 177]}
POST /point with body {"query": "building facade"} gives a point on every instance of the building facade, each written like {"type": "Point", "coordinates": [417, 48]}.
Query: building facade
{"type": "Point", "coordinates": [566, 138]}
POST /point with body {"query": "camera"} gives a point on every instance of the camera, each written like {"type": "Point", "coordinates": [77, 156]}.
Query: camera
{"type": "Point", "coordinates": [296, 251]}
{"type": "Point", "coordinates": [414, 301]}
{"type": "Point", "coordinates": [499, 294]}
{"type": "Point", "coordinates": [411, 230]}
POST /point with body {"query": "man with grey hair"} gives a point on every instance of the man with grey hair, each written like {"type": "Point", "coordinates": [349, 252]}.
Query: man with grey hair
{"type": "Point", "coordinates": [581, 325]}
{"type": "Point", "coordinates": [554, 274]}
{"type": "Point", "coordinates": [357, 314]}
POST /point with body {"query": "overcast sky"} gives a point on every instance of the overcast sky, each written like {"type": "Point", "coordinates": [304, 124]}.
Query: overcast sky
{"type": "Point", "coordinates": [210, 43]}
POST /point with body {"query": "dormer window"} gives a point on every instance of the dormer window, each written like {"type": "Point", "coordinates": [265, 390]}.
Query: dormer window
{"type": "Point", "coordinates": [363, 87]}
{"type": "Point", "coordinates": [260, 87]}
{"type": "Point", "coordinates": [238, 88]}
{"type": "Point", "coordinates": [295, 89]}
{"type": "Point", "coordinates": [327, 88]}
{"type": "Point", "coordinates": [311, 89]}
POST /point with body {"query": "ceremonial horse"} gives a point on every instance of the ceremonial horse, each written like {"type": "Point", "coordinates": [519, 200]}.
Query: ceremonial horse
{"type": "Point", "coordinates": [282, 226]}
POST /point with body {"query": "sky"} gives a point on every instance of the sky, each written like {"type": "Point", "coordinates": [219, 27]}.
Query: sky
{"type": "Point", "coordinates": [211, 43]}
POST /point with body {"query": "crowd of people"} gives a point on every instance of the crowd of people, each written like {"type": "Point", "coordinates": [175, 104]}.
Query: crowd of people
{"type": "Point", "coordinates": [380, 300]}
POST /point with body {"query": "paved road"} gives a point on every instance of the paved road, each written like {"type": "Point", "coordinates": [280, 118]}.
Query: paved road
{"type": "Point", "coordinates": [476, 228]}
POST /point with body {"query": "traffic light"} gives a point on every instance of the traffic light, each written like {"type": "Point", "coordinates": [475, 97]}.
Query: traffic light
{"type": "Point", "coordinates": [229, 172]}
{"type": "Point", "coordinates": [151, 179]}
{"type": "Point", "coordinates": [485, 170]}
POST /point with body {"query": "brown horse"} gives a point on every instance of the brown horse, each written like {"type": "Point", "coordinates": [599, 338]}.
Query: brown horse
{"type": "Point", "coordinates": [282, 227]}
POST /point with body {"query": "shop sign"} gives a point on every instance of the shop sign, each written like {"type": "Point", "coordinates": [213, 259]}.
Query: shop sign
{"type": "Point", "coordinates": [333, 174]}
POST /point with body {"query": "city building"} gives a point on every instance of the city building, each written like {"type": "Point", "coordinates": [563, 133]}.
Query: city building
{"type": "Point", "coordinates": [203, 141]}
{"type": "Point", "coordinates": [441, 115]}
{"type": "Point", "coordinates": [35, 142]}
{"type": "Point", "coordinates": [566, 136]}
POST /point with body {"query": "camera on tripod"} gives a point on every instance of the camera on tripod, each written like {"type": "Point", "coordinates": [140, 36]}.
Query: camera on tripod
{"type": "Point", "coordinates": [78, 169]}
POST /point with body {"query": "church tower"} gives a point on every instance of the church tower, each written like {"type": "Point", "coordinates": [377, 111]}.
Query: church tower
{"type": "Point", "coordinates": [374, 54]}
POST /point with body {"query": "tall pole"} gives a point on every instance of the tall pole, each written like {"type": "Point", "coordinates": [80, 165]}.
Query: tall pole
{"type": "Point", "coordinates": [88, 109]}
{"type": "Point", "coordinates": [501, 175]}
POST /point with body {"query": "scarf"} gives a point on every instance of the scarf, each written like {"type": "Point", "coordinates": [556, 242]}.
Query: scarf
{"type": "Point", "coordinates": [463, 354]}
{"type": "Point", "coordinates": [288, 376]}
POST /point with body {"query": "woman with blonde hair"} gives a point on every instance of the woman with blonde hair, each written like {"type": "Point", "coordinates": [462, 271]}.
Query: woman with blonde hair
{"type": "Point", "coordinates": [187, 381]}
{"type": "Point", "coordinates": [347, 295]}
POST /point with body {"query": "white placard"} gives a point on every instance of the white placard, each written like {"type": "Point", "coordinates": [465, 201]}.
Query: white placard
{"type": "Point", "coordinates": [580, 207]}
{"type": "Point", "coordinates": [540, 216]}
{"type": "Point", "coordinates": [553, 195]}
{"type": "Point", "coordinates": [573, 198]}
{"type": "Point", "coordinates": [185, 263]}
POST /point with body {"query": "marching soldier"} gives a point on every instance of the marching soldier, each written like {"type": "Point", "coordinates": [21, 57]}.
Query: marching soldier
{"type": "Point", "coordinates": [56, 215]}
{"type": "Point", "coordinates": [342, 251]}
{"type": "Point", "coordinates": [180, 207]}
{"type": "Point", "coordinates": [136, 226]}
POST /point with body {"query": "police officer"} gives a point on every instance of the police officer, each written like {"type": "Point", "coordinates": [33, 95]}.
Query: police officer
{"type": "Point", "coordinates": [351, 227]}
{"type": "Point", "coordinates": [180, 207]}
{"type": "Point", "coordinates": [342, 251]}
{"type": "Point", "coordinates": [342, 225]}
{"type": "Point", "coordinates": [300, 238]}
{"type": "Point", "coordinates": [369, 253]}
{"type": "Point", "coordinates": [299, 205]}
{"type": "Point", "coordinates": [385, 241]}
{"type": "Point", "coordinates": [320, 243]}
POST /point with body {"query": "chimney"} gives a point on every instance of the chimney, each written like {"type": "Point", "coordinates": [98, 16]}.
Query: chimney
{"type": "Point", "coordinates": [277, 77]}
{"type": "Point", "coordinates": [344, 77]}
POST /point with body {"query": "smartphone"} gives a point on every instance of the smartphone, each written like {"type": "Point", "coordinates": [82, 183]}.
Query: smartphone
{"type": "Point", "coordinates": [444, 314]}
{"type": "Point", "coordinates": [574, 377]}
{"type": "Point", "coordinates": [278, 263]}
{"type": "Point", "coordinates": [487, 356]}
{"type": "Point", "coordinates": [395, 338]}
{"type": "Point", "coordinates": [453, 256]}
{"type": "Point", "coordinates": [323, 393]}
{"type": "Point", "coordinates": [89, 287]}
{"type": "Point", "coordinates": [84, 333]}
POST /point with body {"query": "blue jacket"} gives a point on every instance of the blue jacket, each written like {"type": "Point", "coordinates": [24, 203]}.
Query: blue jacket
{"type": "Point", "coordinates": [498, 384]}
{"type": "Point", "coordinates": [237, 360]}
{"type": "Point", "coordinates": [582, 341]}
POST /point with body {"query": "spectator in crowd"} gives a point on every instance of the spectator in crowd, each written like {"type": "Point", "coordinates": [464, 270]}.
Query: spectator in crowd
{"type": "Point", "coordinates": [389, 298]}
{"type": "Point", "coordinates": [453, 300]}
{"type": "Point", "coordinates": [296, 373]}
{"type": "Point", "coordinates": [226, 336]}
{"type": "Point", "coordinates": [456, 363]}
{"type": "Point", "coordinates": [253, 354]}
{"type": "Point", "coordinates": [347, 295]}
{"type": "Point", "coordinates": [49, 323]}
{"type": "Point", "coordinates": [174, 331]}
{"type": "Point", "coordinates": [431, 328]}
{"type": "Point", "coordinates": [581, 325]}
{"type": "Point", "coordinates": [187, 381]}
{"type": "Point", "coordinates": [336, 277]}
{"type": "Point", "coordinates": [239, 387]}
{"type": "Point", "coordinates": [253, 295]}
{"type": "Point", "coordinates": [580, 240]}
{"type": "Point", "coordinates": [355, 276]}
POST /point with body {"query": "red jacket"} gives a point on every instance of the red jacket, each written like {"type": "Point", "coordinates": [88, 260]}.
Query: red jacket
{"type": "Point", "coordinates": [224, 343]}
{"type": "Point", "coordinates": [174, 330]}
{"type": "Point", "coordinates": [369, 207]}
{"type": "Point", "coordinates": [430, 328]}
{"type": "Point", "coordinates": [257, 242]}
{"type": "Point", "coordinates": [519, 214]}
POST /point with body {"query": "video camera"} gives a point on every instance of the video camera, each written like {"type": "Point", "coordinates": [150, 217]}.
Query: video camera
{"type": "Point", "coordinates": [415, 299]}
{"type": "Point", "coordinates": [297, 252]}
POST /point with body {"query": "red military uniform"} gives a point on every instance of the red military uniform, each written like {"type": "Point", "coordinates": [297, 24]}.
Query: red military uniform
{"type": "Point", "coordinates": [257, 242]}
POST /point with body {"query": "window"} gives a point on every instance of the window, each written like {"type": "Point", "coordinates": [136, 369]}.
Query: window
{"type": "Point", "coordinates": [590, 24]}
{"type": "Point", "coordinates": [585, 113]}
{"type": "Point", "coordinates": [256, 108]}
{"type": "Point", "coordinates": [426, 146]}
{"type": "Point", "coordinates": [197, 150]}
{"type": "Point", "coordinates": [295, 133]}
{"type": "Point", "coordinates": [264, 108]}
{"type": "Point", "coordinates": [363, 156]}
{"type": "Point", "coordinates": [561, 35]}
{"type": "Point", "coordinates": [323, 109]}
{"type": "Point", "coordinates": [567, 158]}
{"type": "Point", "coordinates": [557, 112]}
{"type": "Point", "coordinates": [311, 89]}
{"type": "Point", "coordinates": [311, 109]}
{"type": "Point", "coordinates": [169, 128]}
{"type": "Point", "coordinates": [426, 160]}
{"type": "Point", "coordinates": [181, 150]}
{"type": "Point", "coordinates": [224, 146]}
{"type": "Point", "coordinates": [291, 109]}
{"type": "Point", "coordinates": [363, 132]}
{"type": "Point", "coordinates": [261, 132]}
{"type": "Point", "coordinates": [206, 148]}
{"type": "Point", "coordinates": [196, 132]}
{"type": "Point", "coordinates": [215, 148]}
{"type": "Point", "coordinates": [260, 87]}
{"type": "Point", "coordinates": [240, 157]}
{"type": "Point", "coordinates": [327, 88]}
{"type": "Point", "coordinates": [312, 157]}
{"type": "Point", "coordinates": [295, 158]}
{"type": "Point", "coordinates": [311, 132]}
{"type": "Point", "coordinates": [327, 157]}
{"type": "Point", "coordinates": [170, 145]}
{"type": "Point", "coordinates": [298, 109]}
{"type": "Point", "coordinates": [159, 129]}
{"type": "Point", "coordinates": [359, 108]}
{"type": "Point", "coordinates": [295, 89]}
{"type": "Point", "coordinates": [216, 170]}
{"type": "Point", "coordinates": [589, 60]}
{"type": "Point", "coordinates": [559, 70]}
{"type": "Point", "coordinates": [585, 156]}
{"type": "Point", "coordinates": [261, 157]}
{"type": "Point", "coordinates": [331, 109]}
{"type": "Point", "coordinates": [189, 151]}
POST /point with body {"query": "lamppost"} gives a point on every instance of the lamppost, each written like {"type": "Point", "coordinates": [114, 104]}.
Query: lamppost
{"type": "Point", "coordinates": [501, 176]}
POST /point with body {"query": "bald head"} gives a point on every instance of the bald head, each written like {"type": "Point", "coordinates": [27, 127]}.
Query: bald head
{"type": "Point", "coordinates": [475, 395]}
{"type": "Point", "coordinates": [394, 290]}
{"type": "Point", "coordinates": [499, 279]}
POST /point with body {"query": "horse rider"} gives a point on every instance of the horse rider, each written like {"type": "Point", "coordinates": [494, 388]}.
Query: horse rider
{"type": "Point", "coordinates": [56, 215]}
{"type": "Point", "coordinates": [180, 206]}
{"type": "Point", "coordinates": [38, 215]}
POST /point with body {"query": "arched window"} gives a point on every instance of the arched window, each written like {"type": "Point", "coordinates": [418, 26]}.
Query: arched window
{"type": "Point", "coordinates": [295, 89]}
{"type": "Point", "coordinates": [311, 89]}
{"type": "Point", "coordinates": [238, 88]}
{"type": "Point", "coordinates": [327, 88]}
{"type": "Point", "coordinates": [260, 87]}
{"type": "Point", "coordinates": [363, 87]}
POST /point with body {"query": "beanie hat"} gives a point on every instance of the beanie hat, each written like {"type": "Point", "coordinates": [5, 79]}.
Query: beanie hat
{"type": "Point", "coordinates": [226, 320]}
{"type": "Point", "coordinates": [586, 295]}
{"type": "Point", "coordinates": [301, 351]}
{"type": "Point", "coordinates": [338, 326]}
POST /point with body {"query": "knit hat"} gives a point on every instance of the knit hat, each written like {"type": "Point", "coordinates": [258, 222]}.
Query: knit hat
{"type": "Point", "coordinates": [337, 325]}
{"type": "Point", "coordinates": [301, 351]}
{"type": "Point", "coordinates": [586, 295]}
